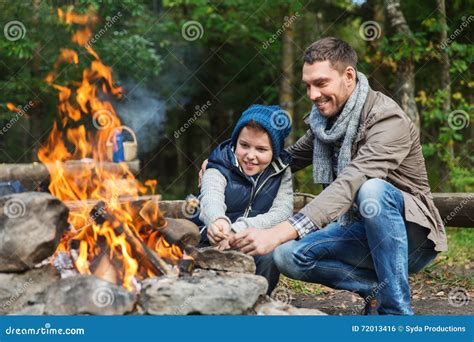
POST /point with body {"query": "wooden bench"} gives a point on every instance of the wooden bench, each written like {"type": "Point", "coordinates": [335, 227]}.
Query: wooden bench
{"type": "Point", "coordinates": [456, 209]}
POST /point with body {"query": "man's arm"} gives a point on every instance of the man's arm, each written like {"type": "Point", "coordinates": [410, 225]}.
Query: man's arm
{"type": "Point", "coordinates": [255, 241]}
{"type": "Point", "coordinates": [301, 152]}
{"type": "Point", "coordinates": [388, 142]}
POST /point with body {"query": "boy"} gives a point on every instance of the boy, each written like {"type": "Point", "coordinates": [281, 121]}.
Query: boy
{"type": "Point", "coordinates": [248, 183]}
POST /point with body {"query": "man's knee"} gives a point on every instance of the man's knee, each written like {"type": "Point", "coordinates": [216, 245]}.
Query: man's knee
{"type": "Point", "coordinates": [375, 195]}
{"type": "Point", "coordinates": [285, 260]}
{"type": "Point", "coordinates": [373, 188]}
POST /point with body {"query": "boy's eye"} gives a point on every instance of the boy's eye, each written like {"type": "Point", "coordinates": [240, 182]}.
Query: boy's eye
{"type": "Point", "coordinates": [262, 149]}
{"type": "Point", "coordinates": [244, 144]}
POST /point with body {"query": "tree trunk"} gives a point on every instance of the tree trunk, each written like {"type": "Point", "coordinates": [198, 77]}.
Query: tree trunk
{"type": "Point", "coordinates": [287, 77]}
{"type": "Point", "coordinates": [406, 68]}
{"type": "Point", "coordinates": [445, 77]}
{"type": "Point", "coordinates": [34, 116]}
{"type": "Point", "coordinates": [446, 88]}
{"type": "Point", "coordinates": [374, 10]}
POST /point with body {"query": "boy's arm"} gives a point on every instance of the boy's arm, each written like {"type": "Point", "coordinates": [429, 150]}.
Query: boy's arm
{"type": "Point", "coordinates": [212, 197]}
{"type": "Point", "coordinates": [282, 208]}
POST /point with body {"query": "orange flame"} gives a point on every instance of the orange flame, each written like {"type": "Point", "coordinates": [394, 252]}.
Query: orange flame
{"type": "Point", "coordinates": [75, 156]}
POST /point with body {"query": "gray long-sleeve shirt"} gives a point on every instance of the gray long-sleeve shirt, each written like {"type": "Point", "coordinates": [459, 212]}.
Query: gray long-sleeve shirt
{"type": "Point", "coordinates": [213, 204]}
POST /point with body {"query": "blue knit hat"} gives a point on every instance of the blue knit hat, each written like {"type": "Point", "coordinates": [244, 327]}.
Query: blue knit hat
{"type": "Point", "coordinates": [273, 119]}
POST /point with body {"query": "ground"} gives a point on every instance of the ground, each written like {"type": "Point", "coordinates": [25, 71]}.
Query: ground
{"type": "Point", "coordinates": [451, 271]}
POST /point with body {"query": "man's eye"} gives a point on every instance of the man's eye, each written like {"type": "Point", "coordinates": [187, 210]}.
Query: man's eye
{"type": "Point", "coordinates": [244, 145]}
{"type": "Point", "coordinates": [261, 149]}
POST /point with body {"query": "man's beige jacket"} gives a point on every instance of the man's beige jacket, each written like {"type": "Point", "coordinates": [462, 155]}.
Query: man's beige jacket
{"type": "Point", "coordinates": [388, 147]}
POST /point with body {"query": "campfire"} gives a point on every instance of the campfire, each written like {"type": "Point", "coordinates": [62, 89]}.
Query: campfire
{"type": "Point", "coordinates": [112, 235]}
{"type": "Point", "coordinates": [99, 243]}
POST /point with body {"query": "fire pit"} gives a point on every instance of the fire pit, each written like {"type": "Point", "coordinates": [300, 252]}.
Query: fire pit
{"type": "Point", "coordinates": [98, 242]}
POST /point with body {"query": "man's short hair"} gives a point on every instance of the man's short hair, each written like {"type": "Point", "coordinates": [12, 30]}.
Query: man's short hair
{"type": "Point", "coordinates": [335, 50]}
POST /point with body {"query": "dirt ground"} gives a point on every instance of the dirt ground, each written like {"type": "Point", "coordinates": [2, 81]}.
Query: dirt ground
{"type": "Point", "coordinates": [346, 303]}
{"type": "Point", "coordinates": [432, 294]}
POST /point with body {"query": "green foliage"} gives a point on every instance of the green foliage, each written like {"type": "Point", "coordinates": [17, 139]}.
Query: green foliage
{"type": "Point", "coordinates": [235, 62]}
{"type": "Point", "coordinates": [131, 54]}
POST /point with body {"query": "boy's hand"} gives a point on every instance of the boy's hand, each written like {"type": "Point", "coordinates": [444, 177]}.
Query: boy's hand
{"type": "Point", "coordinates": [201, 172]}
{"type": "Point", "coordinates": [218, 231]}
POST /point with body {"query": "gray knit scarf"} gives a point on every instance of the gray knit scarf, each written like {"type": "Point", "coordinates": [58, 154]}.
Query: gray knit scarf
{"type": "Point", "coordinates": [346, 128]}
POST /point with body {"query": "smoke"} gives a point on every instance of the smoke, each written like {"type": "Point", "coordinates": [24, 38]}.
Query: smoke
{"type": "Point", "coordinates": [142, 111]}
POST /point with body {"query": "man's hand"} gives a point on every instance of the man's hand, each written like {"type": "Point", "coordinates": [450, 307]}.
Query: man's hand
{"type": "Point", "coordinates": [253, 241]}
{"type": "Point", "coordinates": [218, 230]}
{"type": "Point", "coordinates": [223, 245]}
{"type": "Point", "coordinates": [201, 172]}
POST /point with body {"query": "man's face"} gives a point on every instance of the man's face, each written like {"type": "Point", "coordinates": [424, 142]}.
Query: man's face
{"type": "Point", "coordinates": [328, 88]}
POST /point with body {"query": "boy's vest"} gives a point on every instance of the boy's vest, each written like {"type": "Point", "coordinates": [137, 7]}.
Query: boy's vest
{"type": "Point", "coordinates": [246, 196]}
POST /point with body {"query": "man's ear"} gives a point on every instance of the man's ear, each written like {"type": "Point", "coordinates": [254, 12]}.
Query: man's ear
{"type": "Point", "coordinates": [350, 76]}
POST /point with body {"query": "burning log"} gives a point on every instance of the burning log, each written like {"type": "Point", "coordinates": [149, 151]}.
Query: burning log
{"type": "Point", "coordinates": [105, 269]}
{"type": "Point", "coordinates": [140, 251]}
{"type": "Point", "coordinates": [181, 232]}
{"type": "Point", "coordinates": [134, 202]}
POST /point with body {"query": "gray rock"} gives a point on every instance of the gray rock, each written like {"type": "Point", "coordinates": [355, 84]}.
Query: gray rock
{"type": "Point", "coordinates": [230, 261]}
{"type": "Point", "coordinates": [275, 308]}
{"type": "Point", "coordinates": [19, 292]}
{"type": "Point", "coordinates": [82, 295]}
{"type": "Point", "coordinates": [31, 224]}
{"type": "Point", "coordinates": [204, 293]}
{"type": "Point", "coordinates": [30, 310]}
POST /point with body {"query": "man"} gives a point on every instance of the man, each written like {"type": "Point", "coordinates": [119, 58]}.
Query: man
{"type": "Point", "coordinates": [375, 220]}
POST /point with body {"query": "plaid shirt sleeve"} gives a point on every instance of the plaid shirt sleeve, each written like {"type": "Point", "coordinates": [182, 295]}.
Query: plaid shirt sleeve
{"type": "Point", "coordinates": [302, 224]}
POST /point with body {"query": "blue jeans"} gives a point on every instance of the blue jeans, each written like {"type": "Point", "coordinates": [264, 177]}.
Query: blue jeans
{"type": "Point", "coordinates": [372, 256]}
{"type": "Point", "coordinates": [265, 265]}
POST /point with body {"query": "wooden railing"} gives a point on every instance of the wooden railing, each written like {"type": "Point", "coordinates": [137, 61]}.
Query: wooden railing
{"type": "Point", "coordinates": [456, 209]}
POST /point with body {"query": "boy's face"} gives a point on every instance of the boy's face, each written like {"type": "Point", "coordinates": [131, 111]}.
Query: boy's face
{"type": "Point", "coordinates": [253, 150]}
{"type": "Point", "coordinates": [328, 88]}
